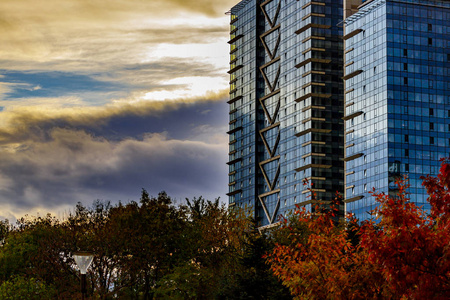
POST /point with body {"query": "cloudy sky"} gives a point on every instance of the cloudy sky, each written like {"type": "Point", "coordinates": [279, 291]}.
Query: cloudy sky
{"type": "Point", "coordinates": [99, 99]}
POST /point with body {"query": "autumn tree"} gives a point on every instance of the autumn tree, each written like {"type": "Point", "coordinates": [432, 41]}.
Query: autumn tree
{"type": "Point", "coordinates": [317, 258]}
{"type": "Point", "coordinates": [403, 253]}
{"type": "Point", "coordinates": [413, 244]}
{"type": "Point", "coordinates": [87, 229]}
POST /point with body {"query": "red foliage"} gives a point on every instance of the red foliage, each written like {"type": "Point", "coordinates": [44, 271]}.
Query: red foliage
{"type": "Point", "coordinates": [403, 254]}
{"type": "Point", "coordinates": [316, 259]}
{"type": "Point", "coordinates": [411, 245]}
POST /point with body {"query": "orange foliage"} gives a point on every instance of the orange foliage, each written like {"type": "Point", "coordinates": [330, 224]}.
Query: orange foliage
{"type": "Point", "coordinates": [403, 254]}
{"type": "Point", "coordinates": [412, 245]}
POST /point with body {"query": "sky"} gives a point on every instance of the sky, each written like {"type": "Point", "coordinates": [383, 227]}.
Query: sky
{"type": "Point", "coordinates": [99, 99]}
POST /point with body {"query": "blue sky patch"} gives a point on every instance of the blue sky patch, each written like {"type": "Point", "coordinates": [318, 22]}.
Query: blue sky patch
{"type": "Point", "coordinates": [56, 84]}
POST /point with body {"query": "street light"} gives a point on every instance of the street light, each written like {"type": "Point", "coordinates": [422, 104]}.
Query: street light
{"type": "Point", "coordinates": [83, 260]}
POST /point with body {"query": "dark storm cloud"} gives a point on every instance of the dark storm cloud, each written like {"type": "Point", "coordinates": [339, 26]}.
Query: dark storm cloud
{"type": "Point", "coordinates": [75, 166]}
{"type": "Point", "coordinates": [59, 162]}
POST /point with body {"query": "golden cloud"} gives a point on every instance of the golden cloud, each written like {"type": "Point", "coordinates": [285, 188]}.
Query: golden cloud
{"type": "Point", "coordinates": [33, 122]}
{"type": "Point", "coordinates": [99, 35]}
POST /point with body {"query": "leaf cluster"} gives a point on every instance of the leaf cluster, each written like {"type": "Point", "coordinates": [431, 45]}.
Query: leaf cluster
{"type": "Point", "coordinates": [404, 253]}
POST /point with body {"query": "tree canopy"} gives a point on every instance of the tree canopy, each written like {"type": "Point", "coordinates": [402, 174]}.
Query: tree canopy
{"type": "Point", "coordinates": [150, 249]}
{"type": "Point", "coordinates": [153, 249]}
{"type": "Point", "coordinates": [403, 253]}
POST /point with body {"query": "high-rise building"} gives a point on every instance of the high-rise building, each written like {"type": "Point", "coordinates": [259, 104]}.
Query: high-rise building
{"type": "Point", "coordinates": [292, 65]}
{"type": "Point", "coordinates": [286, 105]}
{"type": "Point", "coordinates": [397, 101]}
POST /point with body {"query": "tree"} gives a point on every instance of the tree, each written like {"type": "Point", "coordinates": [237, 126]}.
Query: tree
{"type": "Point", "coordinates": [213, 241]}
{"type": "Point", "coordinates": [403, 253]}
{"type": "Point", "coordinates": [316, 258]}
{"type": "Point", "coordinates": [413, 245]}
{"type": "Point", "coordinates": [151, 235]}
{"type": "Point", "coordinates": [87, 229]}
{"type": "Point", "coordinates": [254, 279]}
{"type": "Point", "coordinates": [19, 288]}
{"type": "Point", "coordinates": [35, 249]}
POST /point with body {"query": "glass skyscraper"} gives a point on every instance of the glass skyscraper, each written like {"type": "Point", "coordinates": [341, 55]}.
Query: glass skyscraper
{"type": "Point", "coordinates": [348, 95]}
{"type": "Point", "coordinates": [397, 102]}
{"type": "Point", "coordinates": [286, 105]}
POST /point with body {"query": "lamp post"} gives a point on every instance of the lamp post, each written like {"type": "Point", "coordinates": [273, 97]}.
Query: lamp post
{"type": "Point", "coordinates": [83, 260]}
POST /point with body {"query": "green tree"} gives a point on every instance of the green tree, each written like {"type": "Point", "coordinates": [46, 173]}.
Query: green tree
{"type": "Point", "coordinates": [254, 280]}
{"type": "Point", "coordinates": [151, 236]}
{"type": "Point", "coordinates": [36, 249]}
{"type": "Point", "coordinates": [19, 288]}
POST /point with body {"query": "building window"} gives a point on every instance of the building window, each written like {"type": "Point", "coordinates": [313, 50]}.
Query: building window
{"type": "Point", "coordinates": [431, 140]}
{"type": "Point", "coordinates": [430, 27]}
{"type": "Point", "coordinates": [431, 126]}
{"type": "Point", "coordinates": [430, 41]}
{"type": "Point", "coordinates": [406, 152]}
{"type": "Point", "coordinates": [406, 138]}
{"type": "Point", "coordinates": [431, 112]}
{"type": "Point", "coordinates": [406, 167]}
{"type": "Point", "coordinates": [405, 52]}
{"type": "Point", "coordinates": [405, 66]}
{"type": "Point", "coordinates": [405, 80]}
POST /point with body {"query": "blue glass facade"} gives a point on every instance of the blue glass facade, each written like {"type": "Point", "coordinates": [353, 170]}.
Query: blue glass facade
{"type": "Point", "coordinates": [243, 85]}
{"type": "Point", "coordinates": [286, 105]}
{"type": "Point", "coordinates": [397, 105]}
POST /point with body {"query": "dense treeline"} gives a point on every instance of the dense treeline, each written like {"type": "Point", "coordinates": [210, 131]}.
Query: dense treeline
{"type": "Point", "coordinates": [155, 250]}
{"type": "Point", "coordinates": [147, 250]}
